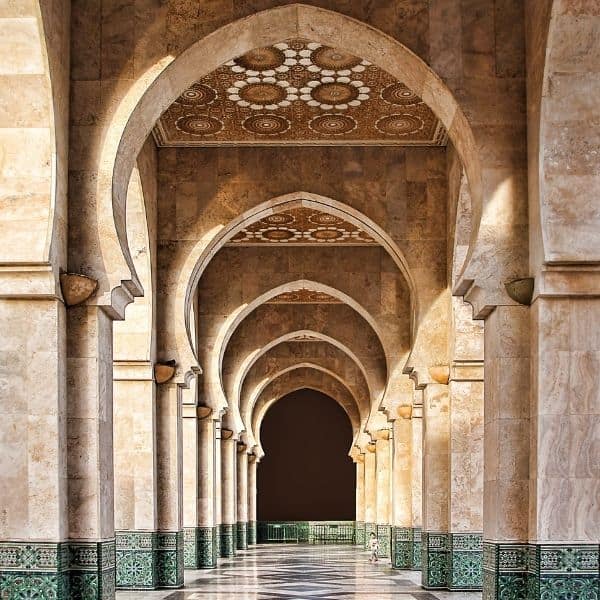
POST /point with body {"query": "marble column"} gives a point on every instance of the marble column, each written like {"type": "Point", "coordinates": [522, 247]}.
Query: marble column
{"type": "Point", "coordinates": [506, 452]}
{"type": "Point", "coordinates": [435, 485]}
{"type": "Point", "coordinates": [34, 525]}
{"type": "Point", "coordinates": [417, 481]}
{"type": "Point", "coordinates": [170, 486]}
{"type": "Point", "coordinates": [90, 462]}
{"type": "Point", "coordinates": [136, 481]}
{"type": "Point", "coordinates": [402, 489]}
{"type": "Point", "coordinates": [218, 488]}
{"type": "Point", "coordinates": [465, 519]}
{"type": "Point", "coordinates": [242, 497]}
{"type": "Point", "coordinates": [228, 493]}
{"type": "Point", "coordinates": [383, 499]}
{"type": "Point", "coordinates": [252, 491]}
{"type": "Point", "coordinates": [370, 492]}
{"type": "Point", "coordinates": [564, 476]}
{"type": "Point", "coordinates": [198, 468]}
{"type": "Point", "coordinates": [360, 500]}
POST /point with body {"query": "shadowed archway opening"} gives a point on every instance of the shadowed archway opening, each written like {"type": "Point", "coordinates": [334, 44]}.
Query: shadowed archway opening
{"type": "Point", "coordinates": [306, 473]}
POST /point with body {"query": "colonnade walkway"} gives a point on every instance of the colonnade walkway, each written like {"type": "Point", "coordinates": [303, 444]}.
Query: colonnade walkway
{"type": "Point", "coordinates": [298, 572]}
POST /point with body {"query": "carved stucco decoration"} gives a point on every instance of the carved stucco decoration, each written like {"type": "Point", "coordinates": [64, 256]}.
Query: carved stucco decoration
{"type": "Point", "coordinates": [304, 296]}
{"type": "Point", "coordinates": [300, 226]}
{"type": "Point", "coordinates": [298, 92]}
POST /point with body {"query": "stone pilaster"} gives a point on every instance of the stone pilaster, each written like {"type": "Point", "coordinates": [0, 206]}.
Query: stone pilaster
{"type": "Point", "coordinates": [417, 480]}
{"type": "Point", "coordinates": [370, 493]}
{"type": "Point", "coordinates": [229, 493]}
{"type": "Point", "coordinates": [252, 526]}
{"type": "Point", "coordinates": [383, 448]}
{"type": "Point", "coordinates": [402, 489]}
{"type": "Point", "coordinates": [242, 498]}
{"type": "Point", "coordinates": [359, 527]}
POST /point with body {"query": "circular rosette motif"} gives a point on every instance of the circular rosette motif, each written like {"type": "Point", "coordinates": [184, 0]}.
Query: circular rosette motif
{"type": "Point", "coordinates": [262, 93]}
{"type": "Point", "coordinates": [266, 124]}
{"type": "Point", "coordinates": [400, 95]}
{"type": "Point", "coordinates": [330, 61]}
{"type": "Point", "coordinates": [198, 125]}
{"type": "Point", "coordinates": [278, 234]}
{"type": "Point", "coordinates": [265, 61]}
{"type": "Point", "coordinates": [327, 234]}
{"type": "Point", "coordinates": [337, 93]}
{"type": "Point", "coordinates": [332, 124]}
{"type": "Point", "coordinates": [198, 94]}
{"type": "Point", "coordinates": [399, 124]}
{"type": "Point", "coordinates": [324, 219]}
{"type": "Point", "coordinates": [278, 219]}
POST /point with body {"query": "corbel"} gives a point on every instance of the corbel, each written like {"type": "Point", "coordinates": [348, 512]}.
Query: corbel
{"type": "Point", "coordinates": [520, 290]}
{"type": "Point", "coordinates": [164, 371]}
{"type": "Point", "coordinates": [77, 288]}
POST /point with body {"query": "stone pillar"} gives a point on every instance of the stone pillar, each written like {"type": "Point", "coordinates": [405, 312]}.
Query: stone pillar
{"type": "Point", "coordinates": [198, 469]}
{"type": "Point", "coordinates": [33, 403]}
{"type": "Point", "coordinates": [135, 446]}
{"type": "Point", "coordinates": [383, 499]}
{"type": "Point", "coordinates": [402, 489]}
{"type": "Point", "coordinates": [417, 481]}
{"type": "Point", "coordinates": [90, 460]}
{"type": "Point", "coordinates": [564, 490]}
{"type": "Point", "coordinates": [170, 486]}
{"type": "Point", "coordinates": [242, 497]}
{"type": "Point", "coordinates": [218, 489]}
{"type": "Point", "coordinates": [252, 525]}
{"type": "Point", "coordinates": [360, 501]}
{"type": "Point", "coordinates": [435, 485]}
{"type": "Point", "coordinates": [370, 492]}
{"type": "Point", "coordinates": [465, 538]}
{"type": "Point", "coordinates": [228, 493]}
{"type": "Point", "coordinates": [506, 453]}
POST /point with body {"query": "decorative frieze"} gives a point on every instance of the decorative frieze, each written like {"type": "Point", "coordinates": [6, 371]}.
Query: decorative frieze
{"type": "Point", "coordinates": [520, 571]}
{"type": "Point", "coordinates": [170, 559]}
{"type": "Point", "coordinates": [136, 559]}
{"type": "Point", "coordinates": [241, 535]}
{"type": "Point", "coordinates": [434, 559]}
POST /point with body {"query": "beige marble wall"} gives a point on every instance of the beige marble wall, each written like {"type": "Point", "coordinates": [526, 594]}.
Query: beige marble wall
{"type": "Point", "coordinates": [564, 474]}
{"type": "Point", "coordinates": [506, 424]}
{"type": "Point", "coordinates": [436, 431]}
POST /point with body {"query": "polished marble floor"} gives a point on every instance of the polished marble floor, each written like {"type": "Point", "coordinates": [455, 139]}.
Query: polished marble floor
{"type": "Point", "coordinates": [296, 572]}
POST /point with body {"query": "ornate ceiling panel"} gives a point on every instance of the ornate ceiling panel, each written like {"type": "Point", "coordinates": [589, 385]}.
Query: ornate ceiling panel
{"type": "Point", "coordinates": [301, 226]}
{"type": "Point", "coordinates": [298, 92]}
{"type": "Point", "coordinates": [304, 296]}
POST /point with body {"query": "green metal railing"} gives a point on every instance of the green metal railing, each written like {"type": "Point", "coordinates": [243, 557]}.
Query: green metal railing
{"type": "Point", "coordinates": [312, 532]}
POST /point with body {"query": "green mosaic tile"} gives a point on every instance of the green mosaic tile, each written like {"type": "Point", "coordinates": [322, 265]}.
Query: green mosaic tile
{"type": "Point", "coordinates": [252, 533]}
{"type": "Point", "coordinates": [136, 560]}
{"type": "Point", "coordinates": [218, 541]}
{"type": "Point", "coordinates": [92, 570]}
{"type": "Point", "coordinates": [417, 550]}
{"type": "Point", "coordinates": [241, 535]}
{"type": "Point", "coordinates": [190, 548]}
{"type": "Point", "coordinates": [207, 557]}
{"type": "Point", "coordinates": [401, 547]}
{"type": "Point", "coordinates": [465, 561]}
{"type": "Point", "coordinates": [227, 541]}
{"type": "Point", "coordinates": [384, 535]}
{"type": "Point", "coordinates": [434, 559]}
{"type": "Point", "coordinates": [369, 528]}
{"type": "Point", "coordinates": [170, 559]}
{"type": "Point", "coordinates": [359, 528]}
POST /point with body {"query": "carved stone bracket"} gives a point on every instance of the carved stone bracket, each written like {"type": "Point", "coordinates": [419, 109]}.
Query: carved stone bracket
{"type": "Point", "coordinates": [77, 288]}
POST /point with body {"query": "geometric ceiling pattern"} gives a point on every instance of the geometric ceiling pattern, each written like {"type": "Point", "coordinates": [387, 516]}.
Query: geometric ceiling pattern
{"type": "Point", "coordinates": [299, 227]}
{"type": "Point", "coordinates": [304, 296]}
{"type": "Point", "coordinates": [298, 92]}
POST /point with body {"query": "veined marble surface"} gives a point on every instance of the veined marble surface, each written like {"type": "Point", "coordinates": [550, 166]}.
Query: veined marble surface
{"type": "Point", "coordinates": [297, 572]}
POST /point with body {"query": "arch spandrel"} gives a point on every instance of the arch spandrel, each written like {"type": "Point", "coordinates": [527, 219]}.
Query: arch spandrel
{"type": "Point", "coordinates": [304, 376]}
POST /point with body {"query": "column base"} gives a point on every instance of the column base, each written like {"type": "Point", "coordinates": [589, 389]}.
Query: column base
{"type": "Point", "coordinates": [227, 540]}
{"type": "Point", "coordinates": [401, 547]}
{"type": "Point", "coordinates": [359, 533]}
{"type": "Point", "coordinates": [416, 547]}
{"type": "Point", "coordinates": [369, 529]}
{"type": "Point", "coordinates": [241, 542]}
{"type": "Point", "coordinates": [384, 535]}
{"type": "Point", "coordinates": [465, 561]}
{"type": "Point", "coordinates": [252, 534]}
{"type": "Point", "coordinates": [522, 571]}
{"type": "Point", "coordinates": [199, 548]}
{"type": "Point", "coordinates": [218, 541]}
{"type": "Point", "coordinates": [170, 545]}
{"type": "Point", "coordinates": [136, 559]}
{"type": "Point", "coordinates": [434, 560]}
{"type": "Point", "coordinates": [62, 571]}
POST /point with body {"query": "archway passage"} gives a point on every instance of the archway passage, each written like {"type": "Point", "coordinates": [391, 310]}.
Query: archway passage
{"type": "Point", "coordinates": [306, 473]}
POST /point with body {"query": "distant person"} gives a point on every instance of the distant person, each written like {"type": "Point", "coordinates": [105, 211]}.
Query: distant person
{"type": "Point", "coordinates": [374, 548]}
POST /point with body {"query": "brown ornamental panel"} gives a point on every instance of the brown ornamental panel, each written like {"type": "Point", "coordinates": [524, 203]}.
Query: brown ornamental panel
{"type": "Point", "coordinates": [299, 92]}
{"type": "Point", "coordinates": [304, 296]}
{"type": "Point", "coordinates": [301, 226]}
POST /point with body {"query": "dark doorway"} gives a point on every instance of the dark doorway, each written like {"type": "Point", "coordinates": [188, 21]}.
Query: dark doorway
{"type": "Point", "coordinates": [306, 473]}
